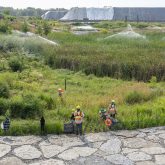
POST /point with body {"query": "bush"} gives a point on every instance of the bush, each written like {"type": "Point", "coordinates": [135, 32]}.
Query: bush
{"type": "Point", "coordinates": [15, 64]}
{"type": "Point", "coordinates": [153, 81]}
{"type": "Point", "coordinates": [134, 97]}
{"type": "Point", "coordinates": [4, 105]}
{"type": "Point", "coordinates": [50, 101]}
{"type": "Point", "coordinates": [16, 108]}
{"type": "Point", "coordinates": [4, 90]}
{"type": "Point", "coordinates": [4, 27]}
{"type": "Point", "coordinates": [32, 107]}
{"type": "Point", "coordinates": [24, 27]}
{"type": "Point", "coordinates": [27, 107]}
{"type": "Point", "coordinates": [104, 31]}
{"type": "Point", "coordinates": [46, 28]}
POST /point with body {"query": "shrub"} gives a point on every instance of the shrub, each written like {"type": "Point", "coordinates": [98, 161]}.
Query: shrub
{"type": "Point", "coordinates": [32, 107]}
{"type": "Point", "coordinates": [46, 28]}
{"type": "Point", "coordinates": [104, 31]}
{"type": "Point", "coordinates": [134, 97]}
{"type": "Point", "coordinates": [34, 45]}
{"type": "Point", "coordinates": [24, 27]}
{"type": "Point", "coordinates": [4, 90]}
{"type": "Point", "coordinates": [4, 105]}
{"type": "Point", "coordinates": [4, 27]}
{"type": "Point", "coordinates": [28, 106]}
{"type": "Point", "coordinates": [16, 108]}
{"type": "Point", "coordinates": [39, 30]}
{"type": "Point", "coordinates": [153, 81]}
{"type": "Point", "coordinates": [15, 64]}
{"type": "Point", "coordinates": [50, 101]}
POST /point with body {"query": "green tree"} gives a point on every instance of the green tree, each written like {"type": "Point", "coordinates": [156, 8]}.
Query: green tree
{"type": "Point", "coordinates": [46, 28]}
{"type": "Point", "coordinates": [4, 26]}
{"type": "Point", "coordinates": [39, 30]}
{"type": "Point", "coordinates": [4, 90]}
{"type": "Point", "coordinates": [24, 27]}
{"type": "Point", "coordinates": [16, 64]}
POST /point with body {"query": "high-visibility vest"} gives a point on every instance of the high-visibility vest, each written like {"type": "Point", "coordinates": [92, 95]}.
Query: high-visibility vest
{"type": "Point", "coordinates": [112, 111]}
{"type": "Point", "coordinates": [78, 117]}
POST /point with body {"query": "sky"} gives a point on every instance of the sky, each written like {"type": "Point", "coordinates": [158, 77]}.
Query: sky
{"type": "Point", "coordinates": [47, 4]}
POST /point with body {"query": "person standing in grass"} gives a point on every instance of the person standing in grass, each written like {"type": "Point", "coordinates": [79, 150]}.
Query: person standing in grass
{"type": "Point", "coordinates": [79, 115]}
{"type": "Point", "coordinates": [6, 125]}
{"type": "Point", "coordinates": [112, 109]}
{"type": "Point", "coordinates": [60, 92]}
{"type": "Point", "coordinates": [42, 124]}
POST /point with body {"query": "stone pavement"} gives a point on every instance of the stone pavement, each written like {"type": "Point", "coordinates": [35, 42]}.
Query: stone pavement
{"type": "Point", "coordinates": [140, 147]}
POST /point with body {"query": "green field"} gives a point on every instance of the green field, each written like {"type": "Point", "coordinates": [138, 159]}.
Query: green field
{"type": "Point", "coordinates": [96, 71]}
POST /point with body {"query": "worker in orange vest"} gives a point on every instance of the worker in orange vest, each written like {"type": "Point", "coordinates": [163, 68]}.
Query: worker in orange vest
{"type": "Point", "coordinates": [60, 92]}
{"type": "Point", "coordinates": [112, 109]}
{"type": "Point", "coordinates": [108, 122]}
{"type": "Point", "coordinates": [79, 115]}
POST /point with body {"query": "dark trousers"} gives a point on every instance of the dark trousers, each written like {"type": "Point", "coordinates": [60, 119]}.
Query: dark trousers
{"type": "Point", "coordinates": [79, 129]}
{"type": "Point", "coordinates": [113, 115]}
{"type": "Point", "coordinates": [42, 127]}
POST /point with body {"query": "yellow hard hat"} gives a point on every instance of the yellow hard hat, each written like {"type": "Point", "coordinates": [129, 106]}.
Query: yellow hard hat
{"type": "Point", "coordinates": [77, 107]}
{"type": "Point", "coordinates": [113, 101]}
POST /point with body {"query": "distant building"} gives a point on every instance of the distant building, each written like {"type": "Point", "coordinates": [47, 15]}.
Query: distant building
{"type": "Point", "coordinates": [89, 14]}
{"type": "Point", "coordinates": [108, 13]}
{"type": "Point", "coordinates": [55, 15]}
{"type": "Point", "coordinates": [139, 14]}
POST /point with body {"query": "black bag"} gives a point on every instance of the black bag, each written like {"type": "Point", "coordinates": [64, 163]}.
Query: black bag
{"type": "Point", "coordinates": [69, 128]}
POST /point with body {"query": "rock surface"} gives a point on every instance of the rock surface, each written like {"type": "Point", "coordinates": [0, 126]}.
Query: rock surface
{"type": "Point", "coordinates": [139, 156]}
{"type": "Point", "coordinates": [119, 159]}
{"type": "Point", "coordinates": [4, 149]}
{"type": "Point", "coordinates": [51, 150]}
{"type": "Point", "coordinates": [27, 152]}
{"type": "Point", "coordinates": [49, 162]}
{"type": "Point", "coordinates": [140, 147]}
{"type": "Point", "coordinates": [11, 160]}
{"type": "Point", "coordinates": [76, 152]}
{"type": "Point", "coordinates": [112, 146]}
{"type": "Point", "coordinates": [160, 159]}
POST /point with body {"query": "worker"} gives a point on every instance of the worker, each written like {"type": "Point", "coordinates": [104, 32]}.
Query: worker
{"type": "Point", "coordinates": [6, 124]}
{"type": "Point", "coordinates": [79, 115]}
{"type": "Point", "coordinates": [60, 92]}
{"type": "Point", "coordinates": [112, 109]}
{"type": "Point", "coordinates": [102, 113]}
{"type": "Point", "coordinates": [42, 124]}
{"type": "Point", "coordinates": [108, 122]}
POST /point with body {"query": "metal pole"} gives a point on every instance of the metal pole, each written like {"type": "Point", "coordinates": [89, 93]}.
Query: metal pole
{"type": "Point", "coordinates": [138, 118]}
{"type": "Point", "coordinates": [65, 84]}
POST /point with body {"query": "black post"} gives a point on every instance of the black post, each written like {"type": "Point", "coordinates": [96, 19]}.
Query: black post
{"type": "Point", "coordinates": [138, 118]}
{"type": "Point", "coordinates": [65, 84]}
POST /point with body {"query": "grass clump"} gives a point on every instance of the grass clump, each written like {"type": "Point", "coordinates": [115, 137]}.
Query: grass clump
{"type": "Point", "coordinates": [134, 97]}
{"type": "Point", "coordinates": [16, 64]}
{"type": "Point", "coordinates": [28, 106]}
{"type": "Point", "coordinates": [4, 90]}
{"type": "Point", "coordinates": [4, 105]}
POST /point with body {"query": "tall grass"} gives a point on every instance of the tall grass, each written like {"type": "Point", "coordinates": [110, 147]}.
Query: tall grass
{"type": "Point", "coordinates": [118, 58]}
